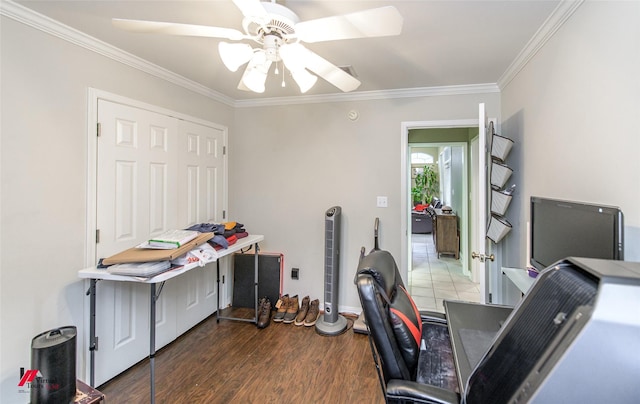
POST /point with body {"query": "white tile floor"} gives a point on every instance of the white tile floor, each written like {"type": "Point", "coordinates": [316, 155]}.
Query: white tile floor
{"type": "Point", "coordinates": [431, 279]}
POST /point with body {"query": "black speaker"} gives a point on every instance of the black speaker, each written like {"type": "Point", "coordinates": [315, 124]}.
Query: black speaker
{"type": "Point", "coordinates": [53, 356]}
{"type": "Point", "coordinates": [269, 278]}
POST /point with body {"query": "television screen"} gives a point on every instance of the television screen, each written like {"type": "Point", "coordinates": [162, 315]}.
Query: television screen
{"type": "Point", "coordinates": [561, 229]}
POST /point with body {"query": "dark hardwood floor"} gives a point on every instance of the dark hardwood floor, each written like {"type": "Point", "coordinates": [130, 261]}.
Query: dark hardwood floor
{"type": "Point", "coordinates": [235, 362]}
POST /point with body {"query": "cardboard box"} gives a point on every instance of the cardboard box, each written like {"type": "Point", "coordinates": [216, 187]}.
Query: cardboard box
{"type": "Point", "coordinates": [149, 255]}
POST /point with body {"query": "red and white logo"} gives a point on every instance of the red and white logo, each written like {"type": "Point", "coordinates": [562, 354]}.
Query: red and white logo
{"type": "Point", "coordinates": [29, 376]}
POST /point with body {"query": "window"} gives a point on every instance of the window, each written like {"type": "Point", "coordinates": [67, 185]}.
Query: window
{"type": "Point", "coordinates": [421, 158]}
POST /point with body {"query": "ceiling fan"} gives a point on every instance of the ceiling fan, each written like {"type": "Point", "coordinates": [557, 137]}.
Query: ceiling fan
{"type": "Point", "coordinates": [279, 32]}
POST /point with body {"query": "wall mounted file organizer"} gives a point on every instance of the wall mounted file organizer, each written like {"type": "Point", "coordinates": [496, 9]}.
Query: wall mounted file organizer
{"type": "Point", "coordinates": [500, 173]}
{"type": "Point", "coordinates": [500, 147]}
{"type": "Point", "coordinates": [498, 226]}
{"type": "Point", "coordinates": [500, 201]}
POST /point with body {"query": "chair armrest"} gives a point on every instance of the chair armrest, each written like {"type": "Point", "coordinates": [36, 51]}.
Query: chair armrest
{"type": "Point", "coordinates": [404, 390]}
{"type": "Point", "coordinates": [433, 317]}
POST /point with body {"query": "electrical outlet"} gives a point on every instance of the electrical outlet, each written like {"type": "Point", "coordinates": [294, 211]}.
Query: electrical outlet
{"type": "Point", "coordinates": [382, 202]}
{"type": "Point", "coordinates": [294, 273]}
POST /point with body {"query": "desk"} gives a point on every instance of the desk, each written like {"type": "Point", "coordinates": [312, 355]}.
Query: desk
{"type": "Point", "coordinates": [519, 277]}
{"type": "Point", "coordinates": [94, 274]}
{"type": "Point", "coordinates": [472, 327]}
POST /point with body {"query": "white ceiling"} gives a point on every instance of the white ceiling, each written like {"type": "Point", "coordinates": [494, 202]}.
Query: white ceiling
{"type": "Point", "coordinates": [443, 43]}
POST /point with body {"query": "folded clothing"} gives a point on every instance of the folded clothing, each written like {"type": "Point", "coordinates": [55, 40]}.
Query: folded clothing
{"type": "Point", "coordinates": [219, 241]}
{"type": "Point", "coordinates": [208, 228]}
{"type": "Point", "coordinates": [229, 240]}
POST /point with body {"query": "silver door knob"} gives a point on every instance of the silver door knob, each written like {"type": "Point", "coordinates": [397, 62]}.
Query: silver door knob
{"type": "Point", "coordinates": [482, 257]}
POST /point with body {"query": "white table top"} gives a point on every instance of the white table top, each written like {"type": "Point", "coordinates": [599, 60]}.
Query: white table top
{"type": "Point", "coordinates": [97, 273]}
{"type": "Point", "coordinates": [520, 277]}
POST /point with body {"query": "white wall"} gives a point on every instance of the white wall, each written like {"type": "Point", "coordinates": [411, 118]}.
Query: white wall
{"type": "Point", "coordinates": [576, 99]}
{"type": "Point", "coordinates": [572, 112]}
{"type": "Point", "coordinates": [291, 163]}
{"type": "Point", "coordinates": [44, 184]}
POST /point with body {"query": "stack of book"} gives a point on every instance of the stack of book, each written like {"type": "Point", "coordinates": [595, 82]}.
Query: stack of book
{"type": "Point", "coordinates": [140, 269]}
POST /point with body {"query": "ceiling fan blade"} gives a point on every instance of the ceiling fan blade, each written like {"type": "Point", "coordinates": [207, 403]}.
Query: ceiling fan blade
{"type": "Point", "coordinates": [170, 28]}
{"type": "Point", "coordinates": [330, 72]}
{"type": "Point", "coordinates": [383, 21]}
{"type": "Point", "coordinates": [253, 9]}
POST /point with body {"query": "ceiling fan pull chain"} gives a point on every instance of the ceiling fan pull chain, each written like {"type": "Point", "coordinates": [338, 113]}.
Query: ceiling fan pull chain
{"type": "Point", "coordinates": [283, 69]}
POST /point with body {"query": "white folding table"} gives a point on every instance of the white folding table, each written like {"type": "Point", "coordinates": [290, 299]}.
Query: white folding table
{"type": "Point", "coordinates": [94, 274]}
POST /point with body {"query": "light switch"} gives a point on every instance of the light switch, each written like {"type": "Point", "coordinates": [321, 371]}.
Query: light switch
{"type": "Point", "coordinates": [382, 202]}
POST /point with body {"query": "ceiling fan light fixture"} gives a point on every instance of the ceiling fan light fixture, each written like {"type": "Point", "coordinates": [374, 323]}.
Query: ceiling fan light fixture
{"type": "Point", "coordinates": [304, 79]}
{"type": "Point", "coordinates": [255, 75]}
{"type": "Point", "coordinates": [234, 55]}
{"type": "Point", "coordinates": [294, 57]}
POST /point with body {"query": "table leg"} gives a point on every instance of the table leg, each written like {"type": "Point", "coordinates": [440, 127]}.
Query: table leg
{"type": "Point", "coordinates": [152, 341]}
{"type": "Point", "coordinates": [255, 270]}
{"type": "Point", "coordinates": [218, 292]}
{"type": "Point", "coordinates": [92, 331]}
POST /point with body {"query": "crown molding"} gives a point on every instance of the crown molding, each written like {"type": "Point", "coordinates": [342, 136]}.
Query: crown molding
{"type": "Point", "coordinates": [558, 17]}
{"type": "Point", "coordinates": [45, 24]}
{"type": "Point", "coordinates": [372, 95]}
{"type": "Point", "coordinates": [50, 26]}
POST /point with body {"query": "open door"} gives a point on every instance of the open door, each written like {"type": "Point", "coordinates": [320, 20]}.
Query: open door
{"type": "Point", "coordinates": [481, 250]}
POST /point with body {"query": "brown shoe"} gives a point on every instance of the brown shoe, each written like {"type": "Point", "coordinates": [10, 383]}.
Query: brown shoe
{"type": "Point", "coordinates": [264, 312]}
{"type": "Point", "coordinates": [302, 313]}
{"type": "Point", "coordinates": [292, 310]}
{"type": "Point", "coordinates": [282, 309]}
{"type": "Point", "coordinates": [313, 314]}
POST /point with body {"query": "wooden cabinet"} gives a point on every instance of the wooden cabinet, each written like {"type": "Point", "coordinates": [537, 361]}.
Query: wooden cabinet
{"type": "Point", "coordinates": [445, 233]}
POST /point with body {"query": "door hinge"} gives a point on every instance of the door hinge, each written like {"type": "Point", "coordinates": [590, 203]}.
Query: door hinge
{"type": "Point", "coordinates": [224, 150]}
{"type": "Point", "coordinates": [222, 278]}
{"type": "Point", "coordinates": [98, 129]}
{"type": "Point", "coordinates": [224, 214]}
{"type": "Point", "coordinates": [97, 236]}
{"type": "Point", "coordinates": [490, 298]}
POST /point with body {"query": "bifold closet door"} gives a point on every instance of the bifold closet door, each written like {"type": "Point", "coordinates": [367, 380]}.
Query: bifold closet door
{"type": "Point", "coordinates": [136, 183]}
{"type": "Point", "coordinates": [201, 169]}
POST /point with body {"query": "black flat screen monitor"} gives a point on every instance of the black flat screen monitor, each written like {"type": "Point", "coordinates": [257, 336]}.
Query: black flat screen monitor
{"type": "Point", "coordinates": [561, 229]}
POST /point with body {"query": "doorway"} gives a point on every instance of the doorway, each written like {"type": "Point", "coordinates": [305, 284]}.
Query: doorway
{"type": "Point", "coordinates": [432, 276]}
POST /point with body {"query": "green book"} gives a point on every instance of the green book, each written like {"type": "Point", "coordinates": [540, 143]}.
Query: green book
{"type": "Point", "coordinates": [172, 239]}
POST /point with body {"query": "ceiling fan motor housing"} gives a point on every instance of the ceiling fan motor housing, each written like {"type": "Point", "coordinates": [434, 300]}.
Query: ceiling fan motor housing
{"type": "Point", "coordinates": [280, 22]}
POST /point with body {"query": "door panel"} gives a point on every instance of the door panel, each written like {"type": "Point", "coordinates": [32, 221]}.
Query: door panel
{"type": "Point", "coordinates": [201, 173]}
{"type": "Point", "coordinates": [135, 163]}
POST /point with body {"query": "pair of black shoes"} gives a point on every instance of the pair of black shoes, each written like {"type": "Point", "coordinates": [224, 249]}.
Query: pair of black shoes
{"type": "Point", "coordinates": [264, 312]}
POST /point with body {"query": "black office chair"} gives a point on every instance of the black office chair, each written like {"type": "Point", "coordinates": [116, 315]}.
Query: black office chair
{"type": "Point", "coordinates": [523, 357]}
{"type": "Point", "coordinates": [396, 329]}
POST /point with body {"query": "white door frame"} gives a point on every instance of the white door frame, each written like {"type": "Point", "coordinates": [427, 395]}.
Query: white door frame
{"type": "Point", "coordinates": [405, 219]}
{"type": "Point", "coordinates": [463, 213]}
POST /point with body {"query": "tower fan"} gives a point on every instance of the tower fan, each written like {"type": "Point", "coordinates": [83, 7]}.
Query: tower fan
{"type": "Point", "coordinates": [331, 323]}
